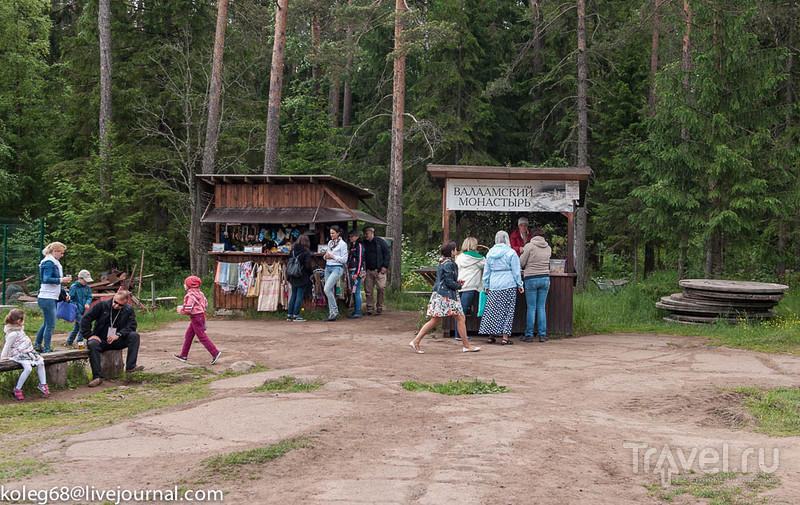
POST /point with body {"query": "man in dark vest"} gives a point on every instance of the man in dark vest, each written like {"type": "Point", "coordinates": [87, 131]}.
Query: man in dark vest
{"type": "Point", "coordinates": [376, 260]}
{"type": "Point", "coordinates": [114, 328]}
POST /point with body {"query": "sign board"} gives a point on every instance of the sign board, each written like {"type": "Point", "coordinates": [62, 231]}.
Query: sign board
{"type": "Point", "coordinates": [511, 196]}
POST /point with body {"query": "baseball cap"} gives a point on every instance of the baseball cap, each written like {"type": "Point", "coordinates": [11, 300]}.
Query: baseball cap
{"type": "Point", "coordinates": [85, 275]}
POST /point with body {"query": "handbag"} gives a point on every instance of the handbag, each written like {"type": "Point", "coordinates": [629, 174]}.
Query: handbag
{"type": "Point", "coordinates": [66, 311]}
{"type": "Point", "coordinates": [481, 302]}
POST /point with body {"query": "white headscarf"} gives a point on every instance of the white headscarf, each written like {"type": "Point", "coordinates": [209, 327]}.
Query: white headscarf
{"type": "Point", "coordinates": [501, 237]}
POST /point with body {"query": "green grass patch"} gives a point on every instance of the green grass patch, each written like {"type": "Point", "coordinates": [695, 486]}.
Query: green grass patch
{"type": "Point", "coordinates": [144, 392]}
{"type": "Point", "coordinates": [288, 384]}
{"type": "Point", "coordinates": [632, 310]}
{"type": "Point", "coordinates": [777, 410]}
{"type": "Point", "coordinates": [722, 488]}
{"type": "Point", "coordinates": [241, 463]}
{"type": "Point", "coordinates": [475, 387]}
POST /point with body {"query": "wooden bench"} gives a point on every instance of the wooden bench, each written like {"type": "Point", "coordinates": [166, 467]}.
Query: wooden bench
{"type": "Point", "coordinates": [55, 364]}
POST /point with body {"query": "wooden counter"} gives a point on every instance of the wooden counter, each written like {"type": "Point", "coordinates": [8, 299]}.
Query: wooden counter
{"type": "Point", "coordinates": [558, 309]}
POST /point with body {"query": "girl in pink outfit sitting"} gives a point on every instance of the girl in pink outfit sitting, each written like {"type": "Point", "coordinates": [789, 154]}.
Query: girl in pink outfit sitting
{"type": "Point", "coordinates": [18, 347]}
{"type": "Point", "coordinates": [194, 305]}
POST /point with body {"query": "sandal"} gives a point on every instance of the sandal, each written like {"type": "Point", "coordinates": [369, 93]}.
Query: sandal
{"type": "Point", "coordinates": [491, 340]}
{"type": "Point", "coordinates": [506, 341]}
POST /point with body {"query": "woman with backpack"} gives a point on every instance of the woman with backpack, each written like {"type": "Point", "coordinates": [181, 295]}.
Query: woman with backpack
{"type": "Point", "coordinates": [298, 273]}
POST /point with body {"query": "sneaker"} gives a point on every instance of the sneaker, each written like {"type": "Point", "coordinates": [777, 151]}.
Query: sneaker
{"type": "Point", "coordinates": [299, 319]}
{"type": "Point", "coordinates": [216, 357]}
{"type": "Point", "coordinates": [69, 344]}
{"type": "Point", "coordinates": [527, 339]}
{"type": "Point", "coordinates": [368, 312]}
{"type": "Point", "coordinates": [38, 349]}
{"type": "Point", "coordinates": [44, 389]}
{"type": "Point", "coordinates": [543, 339]}
{"type": "Point", "coordinates": [179, 357]}
{"type": "Point", "coordinates": [379, 311]}
{"type": "Point", "coordinates": [290, 318]}
{"type": "Point", "coordinates": [353, 316]}
{"type": "Point", "coordinates": [18, 394]}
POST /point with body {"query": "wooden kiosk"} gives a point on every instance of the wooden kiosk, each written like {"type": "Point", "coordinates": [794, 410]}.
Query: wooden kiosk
{"type": "Point", "coordinates": [518, 191]}
{"type": "Point", "coordinates": [265, 213]}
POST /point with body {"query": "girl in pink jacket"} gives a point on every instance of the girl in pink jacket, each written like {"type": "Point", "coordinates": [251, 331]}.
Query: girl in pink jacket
{"type": "Point", "coordinates": [194, 306]}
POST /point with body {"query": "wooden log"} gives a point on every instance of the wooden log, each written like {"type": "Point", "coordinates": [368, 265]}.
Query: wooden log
{"type": "Point", "coordinates": [725, 303]}
{"type": "Point", "coordinates": [726, 286]}
{"type": "Point", "coordinates": [719, 295]}
{"type": "Point", "coordinates": [56, 373]}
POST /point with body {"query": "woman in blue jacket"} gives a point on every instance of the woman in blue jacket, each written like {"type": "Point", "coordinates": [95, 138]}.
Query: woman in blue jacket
{"type": "Point", "coordinates": [444, 300]}
{"type": "Point", "coordinates": [502, 280]}
{"type": "Point", "coordinates": [51, 276]}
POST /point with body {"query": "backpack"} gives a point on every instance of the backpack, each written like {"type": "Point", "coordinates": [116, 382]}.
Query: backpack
{"type": "Point", "coordinates": [293, 268]}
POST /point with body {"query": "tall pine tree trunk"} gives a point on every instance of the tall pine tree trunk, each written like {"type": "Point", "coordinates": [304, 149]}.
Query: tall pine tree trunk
{"type": "Point", "coordinates": [649, 250]}
{"type": "Point", "coordinates": [275, 83]}
{"type": "Point", "coordinates": [581, 214]}
{"type": "Point", "coordinates": [197, 250]}
{"type": "Point", "coordinates": [316, 41]}
{"type": "Point", "coordinates": [395, 205]}
{"type": "Point", "coordinates": [347, 92]}
{"type": "Point", "coordinates": [104, 30]}
{"type": "Point", "coordinates": [333, 101]}
{"type": "Point", "coordinates": [783, 226]}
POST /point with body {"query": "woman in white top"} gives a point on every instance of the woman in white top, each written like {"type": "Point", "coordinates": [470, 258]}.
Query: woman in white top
{"type": "Point", "coordinates": [470, 269]}
{"type": "Point", "coordinates": [51, 276]}
{"type": "Point", "coordinates": [335, 260]}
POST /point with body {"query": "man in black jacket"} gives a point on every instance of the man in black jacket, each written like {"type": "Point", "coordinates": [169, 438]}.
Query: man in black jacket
{"type": "Point", "coordinates": [114, 328]}
{"type": "Point", "coordinates": [376, 261]}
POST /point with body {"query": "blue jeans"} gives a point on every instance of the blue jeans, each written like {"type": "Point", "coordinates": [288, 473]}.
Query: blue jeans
{"type": "Point", "coordinates": [466, 302]}
{"type": "Point", "coordinates": [356, 296]}
{"type": "Point", "coordinates": [296, 300]}
{"type": "Point", "coordinates": [45, 333]}
{"type": "Point", "coordinates": [536, 289]}
{"type": "Point", "coordinates": [332, 274]}
{"type": "Point", "coordinates": [76, 330]}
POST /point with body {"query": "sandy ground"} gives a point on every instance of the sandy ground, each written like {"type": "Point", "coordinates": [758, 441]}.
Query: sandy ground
{"type": "Point", "coordinates": [565, 434]}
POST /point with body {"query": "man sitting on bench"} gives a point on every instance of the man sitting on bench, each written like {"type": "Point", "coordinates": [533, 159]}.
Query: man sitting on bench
{"type": "Point", "coordinates": [114, 328]}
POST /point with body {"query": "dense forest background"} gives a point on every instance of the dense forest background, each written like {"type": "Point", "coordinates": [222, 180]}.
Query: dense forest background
{"type": "Point", "coordinates": [693, 122]}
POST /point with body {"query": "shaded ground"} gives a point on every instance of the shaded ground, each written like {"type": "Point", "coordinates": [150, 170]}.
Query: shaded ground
{"type": "Point", "coordinates": [557, 437]}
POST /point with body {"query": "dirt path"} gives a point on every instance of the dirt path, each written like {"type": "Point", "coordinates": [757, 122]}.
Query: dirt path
{"type": "Point", "coordinates": [562, 435]}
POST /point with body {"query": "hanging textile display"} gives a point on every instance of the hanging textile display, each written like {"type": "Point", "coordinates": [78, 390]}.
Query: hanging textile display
{"type": "Point", "coordinates": [270, 287]}
{"type": "Point", "coordinates": [255, 283]}
{"type": "Point", "coordinates": [245, 277]}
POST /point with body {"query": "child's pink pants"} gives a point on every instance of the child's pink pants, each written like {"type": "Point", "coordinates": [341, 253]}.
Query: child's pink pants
{"type": "Point", "coordinates": [197, 327]}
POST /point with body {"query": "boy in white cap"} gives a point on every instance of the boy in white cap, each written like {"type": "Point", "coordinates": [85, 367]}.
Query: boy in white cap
{"type": "Point", "coordinates": [80, 294]}
{"type": "Point", "coordinates": [520, 236]}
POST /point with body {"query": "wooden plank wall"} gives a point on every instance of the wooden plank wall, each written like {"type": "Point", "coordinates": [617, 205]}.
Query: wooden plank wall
{"type": "Point", "coordinates": [279, 195]}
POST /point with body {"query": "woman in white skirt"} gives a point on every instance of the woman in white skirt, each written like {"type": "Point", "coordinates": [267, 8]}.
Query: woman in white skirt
{"type": "Point", "coordinates": [444, 300]}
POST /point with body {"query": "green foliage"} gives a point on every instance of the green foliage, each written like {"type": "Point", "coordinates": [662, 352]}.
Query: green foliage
{"type": "Point", "coordinates": [777, 411]}
{"type": "Point", "coordinates": [233, 464]}
{"type": "Point", "coordinates": [459, 387]}
{"type": "Point", "coordinates": [288, 384]}
{"type": "Point", "coordinates": [722, 488]}
{"type": "Point", "coordinates": [632, 309]}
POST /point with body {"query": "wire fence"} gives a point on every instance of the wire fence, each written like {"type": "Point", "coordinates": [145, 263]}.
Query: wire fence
{"type": "Point", "coordinates": [23, 241]}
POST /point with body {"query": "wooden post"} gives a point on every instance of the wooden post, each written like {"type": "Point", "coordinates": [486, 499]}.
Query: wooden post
{"type": "Point", "coordinates": [570, 242]}
{"type": "Point", "coordinates": [445, 216]}
{"type": "Point", "coordinates": [458, 227]}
